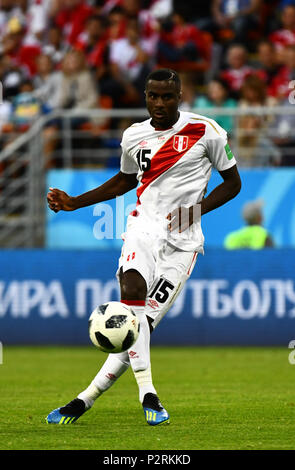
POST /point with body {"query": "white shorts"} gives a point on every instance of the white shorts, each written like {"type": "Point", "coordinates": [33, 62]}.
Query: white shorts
{"type": "Point", "coordinates": [164, 268]}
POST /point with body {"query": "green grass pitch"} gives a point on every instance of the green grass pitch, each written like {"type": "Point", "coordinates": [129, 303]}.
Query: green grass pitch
{"type": "Point", "coordinates": [218, 398]}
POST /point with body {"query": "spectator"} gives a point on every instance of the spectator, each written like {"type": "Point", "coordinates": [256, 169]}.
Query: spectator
{"type": "Point", "coordinates": [240, 16]}
{"type": "Point", "coordinates": [217, 97]}
{"type": "Point", "coordinates": [71, 18]}
{"type": "Point", "coordinates": [119, 16]}
{"type": "Point", "coordinates": [182, 46]}
{"type": "Point", "coordinates": [201, 17]}
{"type": "Point", "coordinates": [131, 8]}
{"type": "Point", "coordinates": [130, 63]}
{"type": "Point", "coordinates": [76, 91]}
{"type": "Point", "coordinates": [237, 68]}
{"type": "Point", "coordinates": [120, 38]}
{"type": "Point", "coordinates": [21, 55]}
{"type": "Point", "coordinates": [26, 107]}
{"type": "Point", "coordinates": [117, 23]}
{"type": "Point", "coordinates": [47, 82]}
{"type": "Point", "coordinates": [253, 235]}
{"type": "Point", "coordinates": [254, 148]}
{"type": "Point", "coordinates": [149, 29]}
{"type": "Point", "coordinates": [7, 11]}
{"type": "Point", "coordinates": [11, 77]}
{"type": "Point", "coordinates": [188, 92]}
{"type": "Point", "coordinates": [280, 87]}
{"type": "Point", "coordinates": [283, 133]}
{"type": "Point", "coordinates": [266, 65]}
{"type": "Point", "coordinates": [33, 16]}
{"type": "Point", "coordinates": [23, 112]}
{"type": "Point", "coordinates": [254, 93]}
{"type": "Point", "coordinates": [53, 7]}
{"type": "Point", "coordinates": [286, 35]}
{"type": "Point", "coordinates": [254, 129]}
{"type": "Point", "coordinates": [55, 46]}
{"type": "Point", "coordinates": [93, 42]}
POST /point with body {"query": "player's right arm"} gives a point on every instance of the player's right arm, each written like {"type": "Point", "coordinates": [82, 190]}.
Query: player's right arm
{"type": "Point", "coordinates": [119, 184]}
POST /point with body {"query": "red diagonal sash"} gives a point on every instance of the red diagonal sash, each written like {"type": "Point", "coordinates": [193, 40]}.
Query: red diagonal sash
{"type": "Point", "coordinates": [167, 156]}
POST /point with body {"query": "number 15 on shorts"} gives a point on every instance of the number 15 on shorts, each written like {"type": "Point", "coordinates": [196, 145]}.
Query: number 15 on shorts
{"type": "Point", "coordinates": [162, 291]}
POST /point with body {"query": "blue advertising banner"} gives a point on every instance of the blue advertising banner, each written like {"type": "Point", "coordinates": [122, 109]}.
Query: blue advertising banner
{"type": "Point", "coordinates": [100, 226]}
{"type": "Point", "coordinates": [232, 298]}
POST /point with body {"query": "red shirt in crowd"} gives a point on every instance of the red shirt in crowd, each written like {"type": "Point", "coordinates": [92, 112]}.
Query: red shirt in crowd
{"type": "Point", "coordinates": [235, 77]}
{"type": "Point", "coordinates": [25, 57]}
{"type": "Point", "coordinates": [280, 86]}
{"type": "Point", "coordinates": [282, 38]}
{"type": "Point", "coordinates": [181, 34]}
{"type": "Point", "coordinates": [72, 21]}
{"type": "Point", "coordinates": [94, 55]}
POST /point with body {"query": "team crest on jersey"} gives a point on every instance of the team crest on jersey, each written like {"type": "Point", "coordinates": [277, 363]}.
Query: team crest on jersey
{"type": "Point", "coordinates": [180, 142]}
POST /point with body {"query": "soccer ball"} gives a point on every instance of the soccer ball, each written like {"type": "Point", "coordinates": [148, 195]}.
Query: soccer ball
{"type": "Point", "coordinates": [113, 327]}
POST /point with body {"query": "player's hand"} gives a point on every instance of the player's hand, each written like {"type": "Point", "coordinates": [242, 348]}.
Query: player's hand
{"type": "Point", "coordinates": [183, 217]}
{"type": "Point", "coordinates": [59, 200]}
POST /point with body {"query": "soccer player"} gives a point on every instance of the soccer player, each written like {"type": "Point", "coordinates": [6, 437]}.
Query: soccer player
{"type": "Point", "coordinates": [171, 155]}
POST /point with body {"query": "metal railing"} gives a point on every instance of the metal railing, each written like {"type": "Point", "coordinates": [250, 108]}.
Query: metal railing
{"type": "Point", "coordinates": [25, 160]}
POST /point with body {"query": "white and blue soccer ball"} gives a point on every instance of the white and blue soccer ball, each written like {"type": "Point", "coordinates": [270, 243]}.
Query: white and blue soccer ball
{"type": "Point", "coordinates": [113, 327]}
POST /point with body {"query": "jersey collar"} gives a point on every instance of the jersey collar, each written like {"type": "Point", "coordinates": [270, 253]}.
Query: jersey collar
{"type": "Point", "coordinates": [175, 125]}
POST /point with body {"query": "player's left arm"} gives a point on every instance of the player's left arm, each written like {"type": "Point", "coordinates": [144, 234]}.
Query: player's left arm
{"type": "Point", "coordinates": [224, 192]}
{"type": "Point", "coordinates": [182, 218]}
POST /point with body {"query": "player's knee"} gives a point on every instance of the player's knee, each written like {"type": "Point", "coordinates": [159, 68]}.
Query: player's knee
{"type": "Point", "coordinates": [123, 357]}
{"type": "Point", "coordinates": [133, 286]}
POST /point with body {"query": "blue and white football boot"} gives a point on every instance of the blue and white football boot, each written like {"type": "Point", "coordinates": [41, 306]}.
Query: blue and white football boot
{"type": "Point", "coordinates": [67, 414]}
{"type": "Point", "coordinates": [154, 411]}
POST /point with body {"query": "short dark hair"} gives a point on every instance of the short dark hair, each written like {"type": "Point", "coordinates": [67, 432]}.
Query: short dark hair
{"type": "Point", "coordinates": [164, 75]}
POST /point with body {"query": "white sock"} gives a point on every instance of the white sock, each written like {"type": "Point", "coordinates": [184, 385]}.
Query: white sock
{"type": "Point", "coordinates": [139, 354]}
{"type": "Point", "coordinates": [89, 395]}
{"type": "Point", "coordinates": [144, 382]}
{"type": "Point", "coordinates": [114, 366]}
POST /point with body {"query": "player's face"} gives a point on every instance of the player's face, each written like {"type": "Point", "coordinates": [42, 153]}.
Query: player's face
{"type": "Point", "coordinates": [162, 101]}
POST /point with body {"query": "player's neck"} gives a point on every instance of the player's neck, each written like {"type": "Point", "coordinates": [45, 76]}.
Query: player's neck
{"type": "Point", "coordinates": [167, 125]}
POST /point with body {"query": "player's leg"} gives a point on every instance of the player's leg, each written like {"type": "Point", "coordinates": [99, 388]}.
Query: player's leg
{"type": "Point", "coordinates": [114, 366]}
{"type": "Point", "coordinates": [174, 267]}
{"type": "Point", "coordinates": [133, 293]}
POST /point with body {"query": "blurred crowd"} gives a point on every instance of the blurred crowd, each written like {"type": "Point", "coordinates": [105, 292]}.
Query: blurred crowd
{"type": "Point", "coordinates": [85, 54]}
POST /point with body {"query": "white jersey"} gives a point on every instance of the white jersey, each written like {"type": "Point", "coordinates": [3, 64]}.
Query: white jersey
{"type": "Point", "coordinates": [173, 167]}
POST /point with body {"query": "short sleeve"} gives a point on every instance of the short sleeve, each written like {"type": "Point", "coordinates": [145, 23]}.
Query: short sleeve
{"type": "Point", "coordinates": [128, 164]}
{"type": "Point", "coordinates": [219, 151]}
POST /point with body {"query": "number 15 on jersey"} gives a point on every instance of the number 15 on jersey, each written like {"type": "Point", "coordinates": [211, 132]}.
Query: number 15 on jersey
{"type": "Point", "coordinates": [143, 161]}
